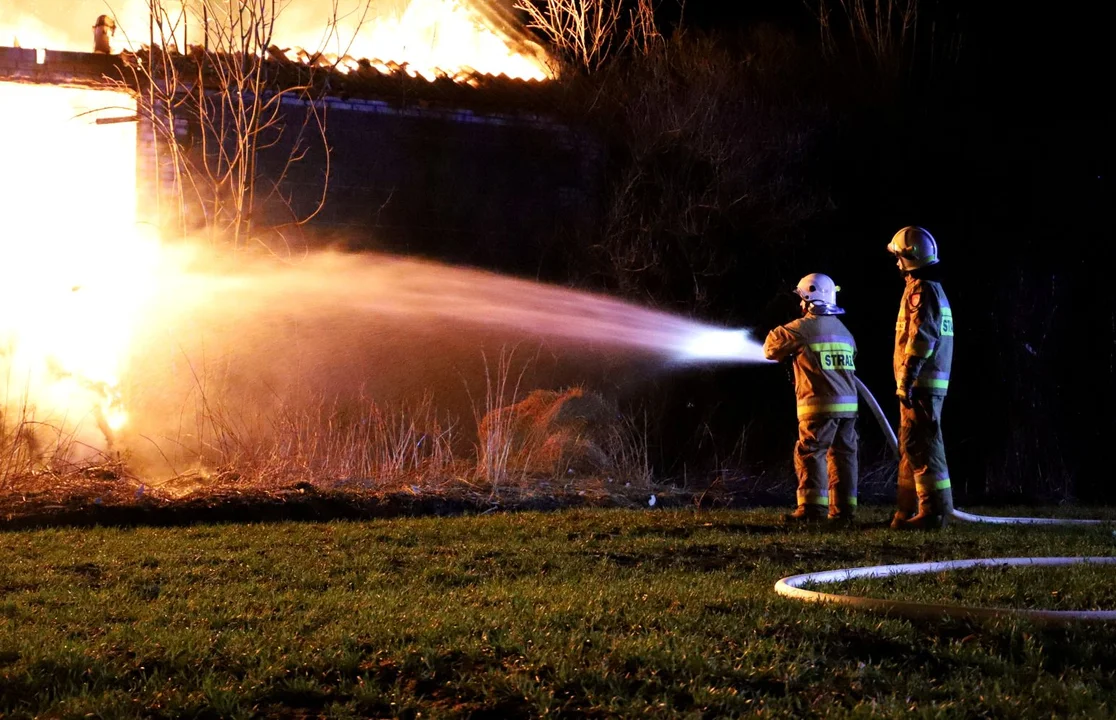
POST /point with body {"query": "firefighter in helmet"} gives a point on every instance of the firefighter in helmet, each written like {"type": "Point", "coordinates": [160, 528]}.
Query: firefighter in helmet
{"type": "Point", "coordinates": [921, 362]}
{"type": "Point", "coordinates": [824, 359]}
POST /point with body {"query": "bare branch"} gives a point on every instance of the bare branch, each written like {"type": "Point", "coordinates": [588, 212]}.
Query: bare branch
{"type": "Point", "coordinates": [586, 32]}
{"type": "Point", "coordinates": [232, 98]}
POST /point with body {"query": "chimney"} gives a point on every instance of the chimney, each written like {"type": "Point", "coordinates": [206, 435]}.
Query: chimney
{"type": "Point", "coordinates": [102, 34]}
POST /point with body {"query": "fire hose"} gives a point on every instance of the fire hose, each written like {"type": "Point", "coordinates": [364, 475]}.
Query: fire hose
{"type": "Point", "coordinates": [893, 443]}
{"type": "Point", "coordinates": [794, 586]}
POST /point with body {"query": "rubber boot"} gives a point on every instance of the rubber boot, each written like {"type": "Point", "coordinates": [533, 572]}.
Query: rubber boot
{"type": "Point", "coordinates": [907, 502]}
{"type": "Point", "coordinates": [841, 516]}
{"type": "Point", "coordinates": [934, 512]}
{"type": "Point", "coordinates": [924, 520]}
{"type": "Point", "coordinates": [806, 515]}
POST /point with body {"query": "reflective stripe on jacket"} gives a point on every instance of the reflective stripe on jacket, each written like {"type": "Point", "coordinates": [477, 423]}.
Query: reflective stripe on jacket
{"type": "Point", "coordinates": [824, 355]}
{"type": "Point", "coordinates": [924, 330]}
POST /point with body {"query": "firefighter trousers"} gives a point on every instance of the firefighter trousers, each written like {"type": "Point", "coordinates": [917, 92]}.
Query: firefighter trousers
{"type": "Point", "coordinates": [924, 485]}
{"type": "Point", "coordinates": [825, 460]}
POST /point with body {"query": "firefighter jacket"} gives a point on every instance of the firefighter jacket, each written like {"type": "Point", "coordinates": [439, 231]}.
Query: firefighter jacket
{"type": "Point", "coordinates": [923, 338]}
{"type": "Point", "coordinates": [824, 355]}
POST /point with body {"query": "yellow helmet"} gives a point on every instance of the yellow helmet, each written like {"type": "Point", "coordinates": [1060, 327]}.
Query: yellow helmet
{"type": "Point", "coordinates": [914, 247]}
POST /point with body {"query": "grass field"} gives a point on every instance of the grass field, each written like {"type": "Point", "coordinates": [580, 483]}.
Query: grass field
{"type": "Point", "coordinates": [588, 613]}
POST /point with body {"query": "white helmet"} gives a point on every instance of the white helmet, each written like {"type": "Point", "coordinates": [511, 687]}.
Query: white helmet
{"type": "Point", "coordinates": [914, 247]}
{"type": "Point", "coordinates": [816, 287]}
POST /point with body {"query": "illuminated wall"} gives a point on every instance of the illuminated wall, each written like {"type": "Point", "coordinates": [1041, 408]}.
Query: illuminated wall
{"type": "Point", "coordinates": [73, 259]}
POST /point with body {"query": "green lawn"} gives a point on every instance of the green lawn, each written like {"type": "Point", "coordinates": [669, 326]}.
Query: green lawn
{"type": "Point", "coordinates": [597, 613]}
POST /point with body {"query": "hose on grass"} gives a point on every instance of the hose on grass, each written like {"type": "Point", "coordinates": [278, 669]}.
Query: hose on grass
{"type": "Point", "coordinates": [795, 586]}
{"type": "Point", "coordinates": [893, 443]}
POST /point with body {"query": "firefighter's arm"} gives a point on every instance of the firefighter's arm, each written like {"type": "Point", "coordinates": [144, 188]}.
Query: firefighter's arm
{"type": "Point", "coordinates": [781, 343]}
{"type": "Point", "coordinates": [923, 334]}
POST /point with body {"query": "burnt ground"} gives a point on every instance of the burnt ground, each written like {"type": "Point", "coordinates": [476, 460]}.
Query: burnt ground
{"type": "Point", "coordinates": [120, 502]}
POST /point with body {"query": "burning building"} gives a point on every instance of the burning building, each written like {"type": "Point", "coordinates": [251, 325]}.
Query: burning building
{"type": "Point", "coordinates": [443, 147]}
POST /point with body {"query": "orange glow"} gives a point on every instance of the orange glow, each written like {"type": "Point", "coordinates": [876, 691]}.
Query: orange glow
{"type": "Point", "coordinates": [433, 38]}
{"type": "Point", "coordinates": [68, 24]}
{"type": "Point", "coordinates": [430, 38]}
{"type": "Point", "coordinates": [76, 269]}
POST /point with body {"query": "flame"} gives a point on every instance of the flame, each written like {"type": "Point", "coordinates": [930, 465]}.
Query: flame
{"type": "Point", "coordinates": [431, 38]}
{"type": "Point", "coordinates": [68, 24]}
{"type": "Point", "coordinates": [77, 271]}
{"type": "Point", "coordinates": [427, 38]}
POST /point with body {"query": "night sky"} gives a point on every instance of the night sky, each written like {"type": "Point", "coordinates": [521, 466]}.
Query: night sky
{"type": "Point", "coordinates": [712, 14]}
{"type": "Point", "coordinates": [1045, 68]}
{"type": "Point", "coordinates": [1018, 48]}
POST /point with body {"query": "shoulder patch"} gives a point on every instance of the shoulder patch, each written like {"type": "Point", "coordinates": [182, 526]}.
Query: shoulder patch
{"type": "Point", "coordinates": [916, 299]}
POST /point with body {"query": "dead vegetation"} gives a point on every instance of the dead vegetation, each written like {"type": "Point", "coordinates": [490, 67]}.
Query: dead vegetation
{"type": "Point", "coordinates": [537, 449]}
{"type": "Point", "coordinates": [586, 35]}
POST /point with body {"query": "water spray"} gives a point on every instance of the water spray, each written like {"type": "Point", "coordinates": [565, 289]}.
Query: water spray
{"type": "Point", "coordinates": [705, 344]}
{"type": "Point", "coordinates": [394, 288]}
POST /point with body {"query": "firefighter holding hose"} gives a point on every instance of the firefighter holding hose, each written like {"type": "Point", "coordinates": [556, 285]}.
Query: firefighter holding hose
{"type": "Point", "coordinates": [824, 358]}
{"type": "Point", "coordinates": [921, 362]}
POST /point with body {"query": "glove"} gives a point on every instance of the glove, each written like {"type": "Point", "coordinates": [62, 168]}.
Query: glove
{"type": "Point", "coordinates": [911, 368]}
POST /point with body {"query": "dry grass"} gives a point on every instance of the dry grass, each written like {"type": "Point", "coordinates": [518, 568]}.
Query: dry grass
{"type": "Point", "coordinates": [36, 452]}
{"type": "Point", "coordinates": [378, 445]}
{"type": "Point", "coordinates": [496, 444]}
{"type": "Point", "coordinates": [890, 36]}
{"type": "Point", "coordinates": [224, 443]}
{"type": "Point", "coordinates": [629, 452]}
{"type": "Point", "coordinates": [324, 440]}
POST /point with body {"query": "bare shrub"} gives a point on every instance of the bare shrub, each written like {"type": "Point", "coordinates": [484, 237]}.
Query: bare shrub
{"type": "Point", "coordinates": [1028, 456]}
{"type": "Point", "coordinates": [886, 34]}
{"type": "Point", "coordinates": [217, 108]}
{"type": "Point", "coordinates": [556, 434]}
{"type": "Point", "coordinates": [704, 162]}
{"type": "Point", "coordinates": [588, 34]}
{"type": "Point", "coordinates": [883, 28]}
